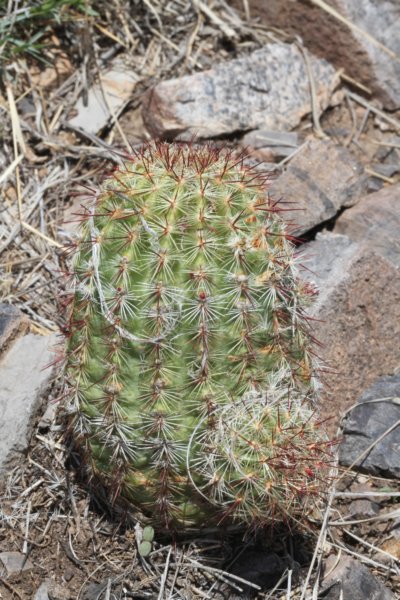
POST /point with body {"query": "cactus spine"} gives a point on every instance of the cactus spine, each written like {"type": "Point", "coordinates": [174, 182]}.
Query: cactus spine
{"type": "Point", "coordinates": [189, 357]}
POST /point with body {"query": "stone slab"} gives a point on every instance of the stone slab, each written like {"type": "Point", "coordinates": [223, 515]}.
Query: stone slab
{"type": "Point", "coordinates": [375, 220]}
{"type": "Point", "coordinates": [321, 179]}
{"type": "Point", "coordinates": [42, 592]}
{"type": "Point", "coordinates": [346, 48]}
{"type": "Point", "coordinates": [268, 89]}
{"type": "Point", "coordinates": [51, 590]}
{"type": "Point", "coordinates": [269, 146]}
{"type": "Point", "coordinates": [358, 325]}
{"type": "Point", "coordinates": [351, 580]}
{"type": "Point", "coordinates": [14, 562]}
{"type": "Point", "coordinates": [117, 84]}
{"type": "Point", "coordinates": [24, 379]}
{"type": "Point", "coordinates": [367, 422]}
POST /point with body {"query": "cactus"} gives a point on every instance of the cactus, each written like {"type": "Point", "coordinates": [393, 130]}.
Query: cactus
{"type": "Point", "coordinates": [190, 370]}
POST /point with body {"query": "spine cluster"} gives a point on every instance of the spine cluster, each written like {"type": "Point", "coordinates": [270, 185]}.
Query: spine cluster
{"type": "Point", "coordinates": [188, 326]}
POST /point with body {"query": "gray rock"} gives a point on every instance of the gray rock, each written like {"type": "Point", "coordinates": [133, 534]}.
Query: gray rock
{"type": "Point", "coordinates": [48, 417]}
{"type": "Point", "coordinates": [320, 180]}
{"type": "Point", "coordinates": [261, 138]}
{"type": "Point", "coordinates": [42, 593]}
{"type": "Point", "coordinates": [14, 562]}
{"type": "Point", "coordinates": [51, 590]}
{"type": "Point", "coordinates": [92, 591]}
{"type": "Point", "coordinates": [389, 152]}
{"type": "Point", "coordinates": [327, 260]}
{"type": "Point", "coordinates": [12, 323]}
{"type": "Point", "coordinates": [363, 508]}
{"type": "Point", "coordinates": [269, 89]}
{"type": "Point", "coordinates": [367, 422]}
{"type": "Point", "coordinates": [351, 580]}
{"type": "Point", "coordinates": [375, 220]}
{"type": "Point", "coordinates": [24, 379]}
{"type": "Point", "coordinates": [105, 100]}
{"type": "Point", "coordinates": [270, 145]}
{"type": "Point", "coordinates": [345, 47]}
{"type": "Point", "coordinates": [382, 388]}
{"type": "Point", "coordinates": [386, 169]}
{"type": "Point", "coordinates": [357, 324]}
{"type": "Point", "coordinates": [374, 185]}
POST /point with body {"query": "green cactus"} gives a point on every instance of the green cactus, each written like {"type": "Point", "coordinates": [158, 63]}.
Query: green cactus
{"type": "Point", "coordinates": [190, 369]}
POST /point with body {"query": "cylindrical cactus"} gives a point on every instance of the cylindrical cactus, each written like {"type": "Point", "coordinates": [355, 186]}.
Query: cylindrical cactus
{"type": "Point", "coordinates": [189, 361]}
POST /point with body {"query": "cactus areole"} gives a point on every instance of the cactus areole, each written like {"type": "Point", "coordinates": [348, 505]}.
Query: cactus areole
{"type": "Point", "coordinates": [189, 368]}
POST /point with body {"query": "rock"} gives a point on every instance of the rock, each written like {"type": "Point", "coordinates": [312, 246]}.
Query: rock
{"type": "Point", "coordinates": [326, 260]}
{"type": "Point", "coordinates": [42, 593]}
{"type": "Point", "coordinates": [269, 89]}
{"type": "Point", "coordinates": [50, 590]}
{"type": "Point", "coordinates": [376, 221]}
{"type": "Point", "coordinates": [346, 48]}
{"type": "Point", "coordinates": [68, 575]}
{"type": "Point", "coordinates": [321, 179]}
{"type": "Point", "coordinates": [48, 417]}
{"type": "Point", "coordinates": [389, 150]}
{"type": "Point", "coordinates": [270, 145]}
{"type": "Point", "coordinates": [366, 505]}
{"type": "Point", "coordinates": [259, 567]}
{"type": "Point", "coordinates": [387, 170]}
{"type": "Point", "coordinates": [24, 379]}
{"type": "Point", "coordinates": [93, 591]}
{"type": "Point", "coordinates": [105, 100]}
{"type": "Point", "coordinates": [12, 323]}
{"type": "Point", "coordinates": [357, 324]}
{"type": "Point", "coordinates": [374, 185]}
{"type": "Point", "coordinates": [14, 562]}
{"type": "Point", "coordinates": [366, 423]}
{"type": "Point", "coordinates": [351, 580]}
{"type": "Point", "coordinates": [363, 508]}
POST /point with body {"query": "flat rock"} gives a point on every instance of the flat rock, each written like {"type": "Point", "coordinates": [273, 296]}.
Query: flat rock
{"type": "Point", "coordinates": [386, 169]}
{"type": "Point", "coordinates": [351, 580]}
{"type": "Point", "coordinates": [346, 48]}
{"type": "Point", "coordinates": [376, 221]}
{"type": "Point", "coordinates": [357, 324]}
{"type": "Point", "coordinates": [105, 99]}
{"type": "Point", "coordinates": [24, 378]}
{"type": "Point", "coordinates": [42, 593]}
{"type": "Point", "coordinates": [12, 324]}
{"type": "Point", "coordinates": [48, 417]}
{"type": "Point", "coordinates": [367, 422]}
{"type": "Point", "coordinates": [50, 590]}
{"type": "Point", "coordinates": [363, 508]}
{"type": "Point", "coordinates": [366, 505]}
{"type": "Point", "coordinates": [92, 590]}
{"type": "Point", "coordinates": [268, 89]}
{"type": "Point", "coordinates": [321, 179]}
{"type": "Point", "coordinates": [269, 145]}
{"type": "Point", "coordinates": [14, 562]}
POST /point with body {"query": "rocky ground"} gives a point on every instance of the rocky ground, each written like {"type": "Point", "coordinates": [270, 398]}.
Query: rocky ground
{"type": "Point", "coordinates": [311, 91]}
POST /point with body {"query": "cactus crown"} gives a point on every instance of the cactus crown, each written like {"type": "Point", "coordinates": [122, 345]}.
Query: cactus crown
{"type": "Point", "coordinates": [189, 360]}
